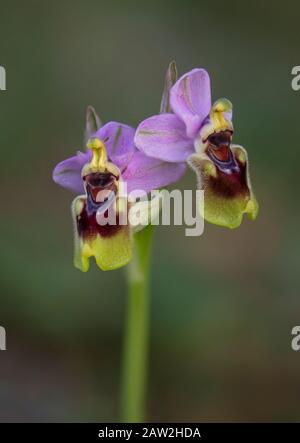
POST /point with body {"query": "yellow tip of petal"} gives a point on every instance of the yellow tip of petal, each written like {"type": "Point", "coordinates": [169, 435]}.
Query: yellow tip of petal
{"type": "Point", "coordinates": [222, 105]}
{"type": "Point", "coordinates": [216, 114]}
{"type": "Point", "coordinates": [95, 143]}
{"type": "Point", "coordinates": [99, 158]}
{"type": "Point", "coordinates": [252, 208]}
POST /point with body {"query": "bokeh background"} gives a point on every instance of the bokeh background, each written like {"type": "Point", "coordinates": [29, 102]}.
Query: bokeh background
{"type": "Point", "coordinates": [223, 304]}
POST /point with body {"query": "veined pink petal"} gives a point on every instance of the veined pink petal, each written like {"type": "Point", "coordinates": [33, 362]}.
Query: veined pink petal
{"type": "Point", "coordinates": [146, 174]}
{"type": "Point", "coordinates": [191, 99]}
{"type": "Point", "coordinates": [163, 137]}
{"type": "Point", "coordinates": [68, 172]}
{"type": "Point", "coordinates": [118, 139]}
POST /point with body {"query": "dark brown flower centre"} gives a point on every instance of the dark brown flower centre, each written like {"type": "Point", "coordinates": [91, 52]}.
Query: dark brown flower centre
{"type": "Point", "coordinates": [101, 191]}
{"type": "Point", "coordinates": [219, 145]}
{"type": "Point", "coordinates": [99, 185]}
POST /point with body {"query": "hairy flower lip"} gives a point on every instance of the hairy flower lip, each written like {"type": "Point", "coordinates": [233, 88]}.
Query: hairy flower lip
{"type": "Point", "coordinates": [88, 225]}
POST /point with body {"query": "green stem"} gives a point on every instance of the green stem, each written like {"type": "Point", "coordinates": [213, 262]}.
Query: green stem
{"type": "Point", "coordinates": [135, 356]}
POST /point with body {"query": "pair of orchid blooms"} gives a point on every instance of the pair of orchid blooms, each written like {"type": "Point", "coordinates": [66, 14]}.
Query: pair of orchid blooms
{"type": "Point", "coordinates": [189, 130]}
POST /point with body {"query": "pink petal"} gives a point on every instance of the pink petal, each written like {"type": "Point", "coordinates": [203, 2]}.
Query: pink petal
{"type": "Point", "coordinates": [163, 137]}
{"type": "Point", "coordinates": [191, 99]}
{"type": "Point", "coordinates": [145, 173]}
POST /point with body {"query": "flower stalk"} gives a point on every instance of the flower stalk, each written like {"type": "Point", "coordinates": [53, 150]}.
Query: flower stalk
{"type": "Point", "coordinates": [136, 334]}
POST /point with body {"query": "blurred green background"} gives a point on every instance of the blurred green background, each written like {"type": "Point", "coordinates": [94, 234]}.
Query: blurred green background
{"type": "Point", "coordinates": [223, 304]}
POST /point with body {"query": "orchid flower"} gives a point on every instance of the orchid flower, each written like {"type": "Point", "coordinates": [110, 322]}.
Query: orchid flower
{"type": "Point", "coordinates": [189, 130]}
{"type": "Point", "coordinates": [200, 133]}
{"type": "Point", "coordinates": [96, 177]}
